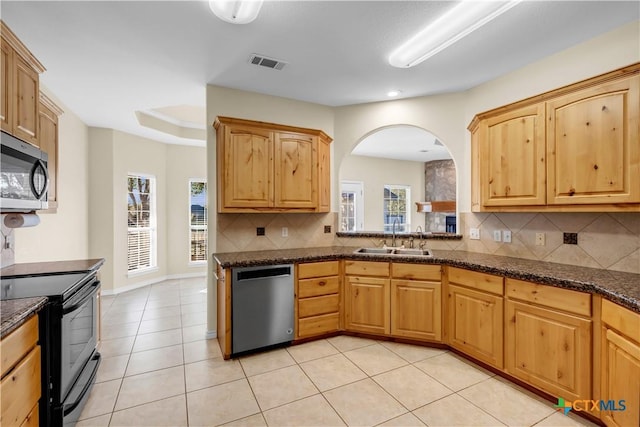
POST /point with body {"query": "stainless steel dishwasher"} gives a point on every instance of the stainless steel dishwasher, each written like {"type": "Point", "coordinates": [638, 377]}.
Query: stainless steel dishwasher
{"type": "Point", "coordinates": [262, 306]}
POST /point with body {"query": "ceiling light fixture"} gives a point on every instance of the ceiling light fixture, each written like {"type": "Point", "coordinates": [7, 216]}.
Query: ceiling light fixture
{"type": "Point", "coordinates": [461, 20]}
{"type": "Point", "coordinates": [393, 93]}
{"type": "Point", "coordinates": [236, 11]}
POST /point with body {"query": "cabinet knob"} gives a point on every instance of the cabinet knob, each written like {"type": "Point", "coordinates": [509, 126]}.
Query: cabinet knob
{"type": "Point", "coordinates": [322, 283]}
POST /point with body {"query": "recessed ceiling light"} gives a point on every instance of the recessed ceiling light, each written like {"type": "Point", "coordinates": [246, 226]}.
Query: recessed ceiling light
{"type": "Point", "coordinates": [393, 93]}
{"type": "Point", "coordinates": [459, 21]}
{"type": "Point", "coordinates": [236, 11]}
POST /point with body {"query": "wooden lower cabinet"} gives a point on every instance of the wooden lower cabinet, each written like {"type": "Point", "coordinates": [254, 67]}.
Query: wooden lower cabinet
{"type": "Point", "coordinates": [416, 301]}
{"type": "Point", "coordinates": [20, 386]}
{"type": "Point", "coordinates": [620, 365]}
{"type": "Point", "coordinates": [317, 298]}
{"type": "Point", "coordinates": [549, 349]}
{"type": "Point", "coordinates": [367, 304]}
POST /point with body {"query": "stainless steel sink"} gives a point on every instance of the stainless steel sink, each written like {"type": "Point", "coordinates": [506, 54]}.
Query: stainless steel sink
{"type": "Point", "coordinates": [395, 251]}
{"type": "Point", "coordinates": [378, 251]}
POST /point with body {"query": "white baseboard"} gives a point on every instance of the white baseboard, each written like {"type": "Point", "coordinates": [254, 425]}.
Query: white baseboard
{"type": "Point", "coordinates": [211, 335]}
{"type": "Point", "coordinates": [138, 285]}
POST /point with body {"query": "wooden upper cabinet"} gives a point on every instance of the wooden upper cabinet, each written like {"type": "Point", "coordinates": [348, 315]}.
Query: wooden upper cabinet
{"type": "Point", "coordinates": [295, 170]}
{"type": "Point", "coordinates": [513, 151]}
{"type": "Point", "coordinates": [265, 167]}
{"type": "Point", "coordinates": [48, 141]}
{"type": "Point", "coordinates": [570, 149]}
{"type": "Point", "coordinates": [19, 110]}
{"type": "Point", "coordinates": [245, 157]}
{"type": "Point", "coordinates": [592, 144]}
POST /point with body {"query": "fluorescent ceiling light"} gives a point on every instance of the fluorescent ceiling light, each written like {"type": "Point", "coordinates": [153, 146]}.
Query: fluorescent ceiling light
{"type": "Point", "coordinates": [236, 11]}
{"type": "Point", "coordinates": [461, 20]}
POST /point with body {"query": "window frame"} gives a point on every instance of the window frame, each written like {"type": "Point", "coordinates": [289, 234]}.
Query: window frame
{"type": "Point", "coordinates": [152, 228]}
{"type": "Point", "coordinates": [204, 227]}
{"type": "Point", "coordinates": [402, 226]}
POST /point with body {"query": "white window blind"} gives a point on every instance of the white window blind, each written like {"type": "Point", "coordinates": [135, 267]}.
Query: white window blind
{"type": "Point", "coordinates": [396, 201]}
{"type": "Point", "coordinates": [198, 220]}
{"type": "Point", "coordinates": [141, 223]}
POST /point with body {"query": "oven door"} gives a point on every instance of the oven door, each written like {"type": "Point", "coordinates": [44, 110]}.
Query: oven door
{"type": "Point", "coordinates": [79, 334]}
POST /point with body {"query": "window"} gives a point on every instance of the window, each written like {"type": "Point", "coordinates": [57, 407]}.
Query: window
{"type": "Point", "coordinates": [396, 200]}
{"type": "Point", "coordinates": [198, 220]}
{"type": "Point", "coordinates": [141, 231]}
{"type": "Point", "coordinates": [351, 206]}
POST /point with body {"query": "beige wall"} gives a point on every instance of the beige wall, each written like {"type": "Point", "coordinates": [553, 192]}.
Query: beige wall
{"type": "Point", "coordinates": [374, 173]}
{"type": "Point", "coordinates": [116, 154]}
{"type": "Point", "coordinates": [65, 234]}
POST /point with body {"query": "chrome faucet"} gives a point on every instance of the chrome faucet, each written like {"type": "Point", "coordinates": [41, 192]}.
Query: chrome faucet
{"type": "Point", "coordinates": [419, 227]}
{"type": "Point", "coordinates": [393, 238]}
{"type": "Point", "coordinates": [420, 245]}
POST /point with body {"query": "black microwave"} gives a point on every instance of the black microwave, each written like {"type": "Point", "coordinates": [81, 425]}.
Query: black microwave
{"type": "Point", "coordinates": [24, 179]}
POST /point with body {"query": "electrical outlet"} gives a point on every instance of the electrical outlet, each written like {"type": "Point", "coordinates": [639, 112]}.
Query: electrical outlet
{"type": "Point", "coordinates": [259, 231]}
{"type": "Point", "coordinates": [474, 233]}
{"type": "Point", "coordinates": [540, 239]}
{"type": "Point", "coordinates": [570, 238]}
{"type": "Point", "coordinates": [285, 232]}
{"type": "Point", "coordinates": [506, 236]}
{"type": "Point", "coordinates": [497, 236]}
{"type": "Point", "coordinates": [327, 229]}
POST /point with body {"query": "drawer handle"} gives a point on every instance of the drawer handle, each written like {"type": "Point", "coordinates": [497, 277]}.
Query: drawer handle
{"type": "Point", "coordinates": [322, 283]}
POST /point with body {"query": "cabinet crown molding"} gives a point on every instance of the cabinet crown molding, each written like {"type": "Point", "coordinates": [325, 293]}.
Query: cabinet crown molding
{"type": "Point", "coordinates": [20, 48]}
{"type": "Point", "coordinates": [271, 126]}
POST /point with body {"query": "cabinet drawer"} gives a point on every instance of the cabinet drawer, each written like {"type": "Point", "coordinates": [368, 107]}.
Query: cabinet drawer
{"type": "Point", "coordinates": [318, 325]}
{"type": "Point", "coordinates": [14, 346]}
{"type": "Point", "coordinates": [416, 272]}
{"type": "Point", "coordinates": [622, 319]}
{"type": "Point", "coordinates": [318, 286]}
{"type": "Point", "coordinates": [318, 305]}
{"type": "Point", "coordinates": [318, 269]}
{"type": "Point", "coordinates": [20, 390]}
{"type": "Point", "coordinates": [367, 268]}
{"type": "Point", "coordinates": [473, 279]}
{"type": "Point", "coordinates": [563, 299]}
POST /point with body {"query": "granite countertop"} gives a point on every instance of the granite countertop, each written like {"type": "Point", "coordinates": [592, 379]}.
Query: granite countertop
{"type": "Point", "coordinates": [16, 311]}
{"type": "Point", "coordinates": [620, 287]}
{"type": "Point", "coordinates": [54, 267]}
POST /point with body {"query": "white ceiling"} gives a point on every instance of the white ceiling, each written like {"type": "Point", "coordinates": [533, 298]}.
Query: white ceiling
{"type": "Point", "coordinates": [107, 60]}
{"type": "Point", "coordinates": [402, 143]}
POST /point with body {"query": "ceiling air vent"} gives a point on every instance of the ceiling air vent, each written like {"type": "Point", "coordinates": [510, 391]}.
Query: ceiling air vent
{"type": "Point", "coordinates": [265, 61]}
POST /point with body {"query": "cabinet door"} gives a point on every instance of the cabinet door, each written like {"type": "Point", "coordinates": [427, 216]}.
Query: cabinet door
{"type": "Point", "coordinates": [367, 301]}
{"type": "Point", "coordinates": [324, 175]}
{"type": "Point", "coordinates": [416, 309]}
{"type": "Point", "coordinates": [620, 379]}
{"type": "Point", "coordinates": [6, 76]}
{"type": "Point", "coordinates": [592, 145]}
{"type": "Point", "coordinates": [247, 171]}
{"type": "Point", "coordinates": [48, 122]}
{"type": "Point", "coordinates": [26, 96]}
{"type": "Point", "coordinates": [512, 162]}
{"type": "Point", "coordinates": [295, 171]}
{"type": "Point", "coordinates": [549, 349]}
{"type": "Point", "coordinates": [475, 324]}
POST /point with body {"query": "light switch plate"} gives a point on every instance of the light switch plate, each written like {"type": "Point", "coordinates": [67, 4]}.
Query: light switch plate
{"type": "Point", "coordinates": [285, 232]}
{"type": "Point", "coordinates": [474, 233]}
{"type": "Point", "coordinates": [497, 236]}
{"type": "Point", "coordinates": [506, 236]}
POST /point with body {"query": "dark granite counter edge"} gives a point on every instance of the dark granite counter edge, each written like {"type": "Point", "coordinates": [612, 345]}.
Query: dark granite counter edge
{"type": "Point", "coordinates": [385, 235]}
{"type": "Point", "coordinates": [347, 253]}
{"type": "Point", "coordinates": [16, 312]}
{"type": "Point", "coordinates": [52, 267]}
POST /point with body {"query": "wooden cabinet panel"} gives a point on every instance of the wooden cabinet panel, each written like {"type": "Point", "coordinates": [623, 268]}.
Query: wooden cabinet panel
{"type": "Point", "coordinates": [592, 145]}
{"type": "Point", "coordinates": [319, 305]}
{"type": "Point", "coordinates": [416, 272]}
{"type": "Point", "coordinates": [318, 286]}
{"type": "Point", "coordinates": [366, 268]}
{"type": "Point", "coordinates": [295, 171]}
{"type": "Point", "coordinates": [476, 280]}
{"type": "Point", "coordinates": [512, 155]}
{"type": "Point", "coordinates": [475, 324]}
{"type": "Point", "coordinates": [20, 390]}
{"type": "Point", "coordinates": [14, 346]}
{"type": "Point", "coordinates": [247, 167]}
{"type": "Point", "coordinates": [625, 321]}
{"type": "Point", "coordinates": [6, 88]}
{"type": "Point", "coordinates": [223, 331]}
{"type": "Point", "coordinates": [27, 95]}
{"type": "Point", "coordinates": [48, 130]}
{"type": "Point", "coordinates": [549, 350]}
{"type": "Point", "coordinates": [324, 174]}
{"type": "Point", "coordinates": [549, 296]}
{"type": "Point", "coordinates": [416, 309]}
{"type": "Point", "coordinates": [367, 304]}
{"type": "Point", "coordinates": [318, 325]}
{"type": "Point", "coordinates": [33, 419]}
{"type": "Point", "coordinates": [318, 269]}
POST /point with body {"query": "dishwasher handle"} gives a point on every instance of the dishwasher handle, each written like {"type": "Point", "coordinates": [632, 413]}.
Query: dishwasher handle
{"type": "Point", "coordinates": [261, 273]}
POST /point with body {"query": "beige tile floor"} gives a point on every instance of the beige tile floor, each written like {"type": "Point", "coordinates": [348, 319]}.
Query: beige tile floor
{"type": "Point", "coordinates": [159, 370]}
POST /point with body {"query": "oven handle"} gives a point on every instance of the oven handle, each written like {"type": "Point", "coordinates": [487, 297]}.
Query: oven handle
{"type": "Point", "coordinates": [93, 289]}
{"type": "Point", "coordinates": [70, 407]}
